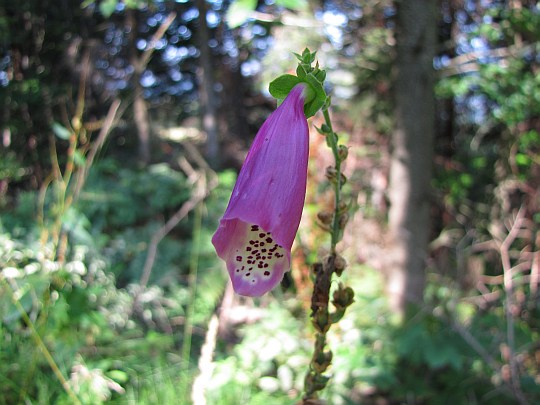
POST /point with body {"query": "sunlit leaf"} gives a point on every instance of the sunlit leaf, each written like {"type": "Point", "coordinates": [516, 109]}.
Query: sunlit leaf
{"type": "Point", "coordinates": [107, 7]}
{"type": "Point", "coordinates": [292, 4]}
{"type": "Point", "coordinates": [60, 131]}
{"type": "Point", "coordinates": [239, 12]}
{"type": "Point", "coordinates": [280, 87]}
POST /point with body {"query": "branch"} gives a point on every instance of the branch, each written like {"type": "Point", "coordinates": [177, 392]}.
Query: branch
{"type": "Point", "coordinates": [504, 247]}
{"type": "Point", "coordinates": [206, 182]}
{"type": "Point", "coordinates": [110, 120]}
{"type": "Point", "coordinates": [145, 57]}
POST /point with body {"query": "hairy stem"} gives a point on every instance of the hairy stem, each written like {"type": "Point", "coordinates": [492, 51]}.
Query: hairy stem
{"type": "Point", "coordinates": [333, 142]}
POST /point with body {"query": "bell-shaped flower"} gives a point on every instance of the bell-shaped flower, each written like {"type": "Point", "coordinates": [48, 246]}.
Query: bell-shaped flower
{"type": "Point", "coordinates": [257, 231]}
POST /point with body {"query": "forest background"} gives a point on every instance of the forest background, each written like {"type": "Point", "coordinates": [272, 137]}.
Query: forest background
{"type": "Point", "coordinates": [123, 125]}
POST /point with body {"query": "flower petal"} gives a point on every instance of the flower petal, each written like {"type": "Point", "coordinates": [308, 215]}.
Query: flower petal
{"type": "Point", "coordinates": [268, 194]}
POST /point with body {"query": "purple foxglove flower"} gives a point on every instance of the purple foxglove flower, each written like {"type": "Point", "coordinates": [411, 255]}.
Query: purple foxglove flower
{"type": "Point", "coordinates": [257, 231]}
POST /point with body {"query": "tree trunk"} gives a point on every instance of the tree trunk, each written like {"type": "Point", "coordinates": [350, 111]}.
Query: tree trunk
{"type": "Point", "coordinates": [207, 97]}
{"type": "Point", "coordinates": [410, 170]}
{"type": "Point", "coordinates": [140, 109]}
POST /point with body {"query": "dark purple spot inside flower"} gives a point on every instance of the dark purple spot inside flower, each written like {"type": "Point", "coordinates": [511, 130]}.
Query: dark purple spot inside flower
{"type": "Point", "coordinates": [254, 227]}
{"type": "Point", "coordinates": [238, 258]}
{"type": "Point", "coordinates": [262, 235]}
{"type": "Point", "coordinates": [248, 248]}
{"type": "Point", "coordinates": [267, 273]}
{"type": "Point", "coordinates": [269, 240]}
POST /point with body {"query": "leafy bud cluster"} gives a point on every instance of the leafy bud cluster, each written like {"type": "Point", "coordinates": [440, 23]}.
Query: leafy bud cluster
{"type": "Point", "coordinates": [312, 77]}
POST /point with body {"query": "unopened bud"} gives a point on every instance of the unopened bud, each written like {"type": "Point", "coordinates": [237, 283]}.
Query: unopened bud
{"type": "Point", "coordinates": [343, 218]}
{"type": "Point", "coordinates": [343, 297]}
{"type": "Point", "coordinates": [343, 152]}
{"type": "Point", "coordinates": [339, 265]}
{"type": "Point", "coordinates": [331, 174]}
{"type": "Point", "coordinates": [321, 320]}
{"type": "Point", "coordinates": [322, 361]}
{"type": "Point", "coordinates": [343, 179]}
{"type": "Point", "coordinates": [325, 217]}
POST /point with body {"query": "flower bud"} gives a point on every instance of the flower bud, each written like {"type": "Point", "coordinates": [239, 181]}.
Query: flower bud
{"type": "Point", "coordinates": [339, 265]}
{"type": "Point", "coordinates": [321, 321]}
{"type": "Point", "coordinates": [322, 361]}
{"type": "Point", "coordinates": [343, 297]}
{"type": "Point", "coordinates": [343, 152]}
{"type": "Point", "coordinates": [343, 218]}
{"type": "Point", "coordinates": [325, 217]}
{"type": "Point", "coordinates": [331, 174]}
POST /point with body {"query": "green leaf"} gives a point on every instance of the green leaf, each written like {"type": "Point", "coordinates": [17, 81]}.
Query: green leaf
{"type": "Point", "coordinates": [318, 100]}
{"type": "Point", "coordinates": [118, 375]}
{"type": "Point", "coordinates": [293, 4]}
{"type": "Point", "coordinates": [523, 159]}
{"type": "Point", "coordinates": [60, 131]}
{"type": "Point", "coordinates": [107, 7]}
{"type": "Point", "coordinates": [281, 87]}
{"type": "Point", "coordinates": [239, 12]}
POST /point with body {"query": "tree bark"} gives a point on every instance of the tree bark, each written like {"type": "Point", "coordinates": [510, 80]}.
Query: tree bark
{"type": "Point", "coordinates": [207, 97]}
{"type": "Point", "coordinates": [412, 154]}
{"type": "Point", "coordinates": [140, 109]}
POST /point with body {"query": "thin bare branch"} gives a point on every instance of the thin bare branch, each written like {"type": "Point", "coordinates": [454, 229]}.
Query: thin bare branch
{"type": "Point", "coordinates": [145, 57]}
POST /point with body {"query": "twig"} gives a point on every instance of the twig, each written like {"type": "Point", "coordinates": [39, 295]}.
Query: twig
{"type": "Point", "coordinates": [185, 209]}
{"type": "Point", "coordinates": [205, 362]}
{"type": "Point", "coordinates": [504, 248]}
{"type": "Point", "coordinates": [475, 344]}
{"type": "Point", "coordinates": [192, 286]}
{"type": "Point", "coordinates": [206, 181]}
{"type": "Point", "coordinates": [535, 275]}
{"type": "Point", "coordinates": [145, 57]}
{"type": "Point", "coordinates": [111, 118]}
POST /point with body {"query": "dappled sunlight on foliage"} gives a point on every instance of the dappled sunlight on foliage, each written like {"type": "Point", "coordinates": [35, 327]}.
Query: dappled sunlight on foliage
{"type": "Point", "coordinates": [123, 125]}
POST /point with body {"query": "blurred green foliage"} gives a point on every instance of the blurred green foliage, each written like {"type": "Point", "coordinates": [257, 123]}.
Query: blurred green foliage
{"type": "Point", "coordinates": [82, 306]}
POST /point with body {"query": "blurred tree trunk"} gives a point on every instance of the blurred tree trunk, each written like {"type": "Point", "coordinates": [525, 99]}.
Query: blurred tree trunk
{"type": "Point", "coordinates": [412, 154]}
{"type": "Point", "coordinates": [140, 109]}
{"type": "Point", "coordinates": [207, 97]}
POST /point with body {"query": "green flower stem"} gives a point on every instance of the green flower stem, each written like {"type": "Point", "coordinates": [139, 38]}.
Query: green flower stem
{"type": "Point", "coordinates": [321, 317]}
{"type": "Point", "coordinates": [333, 142]}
